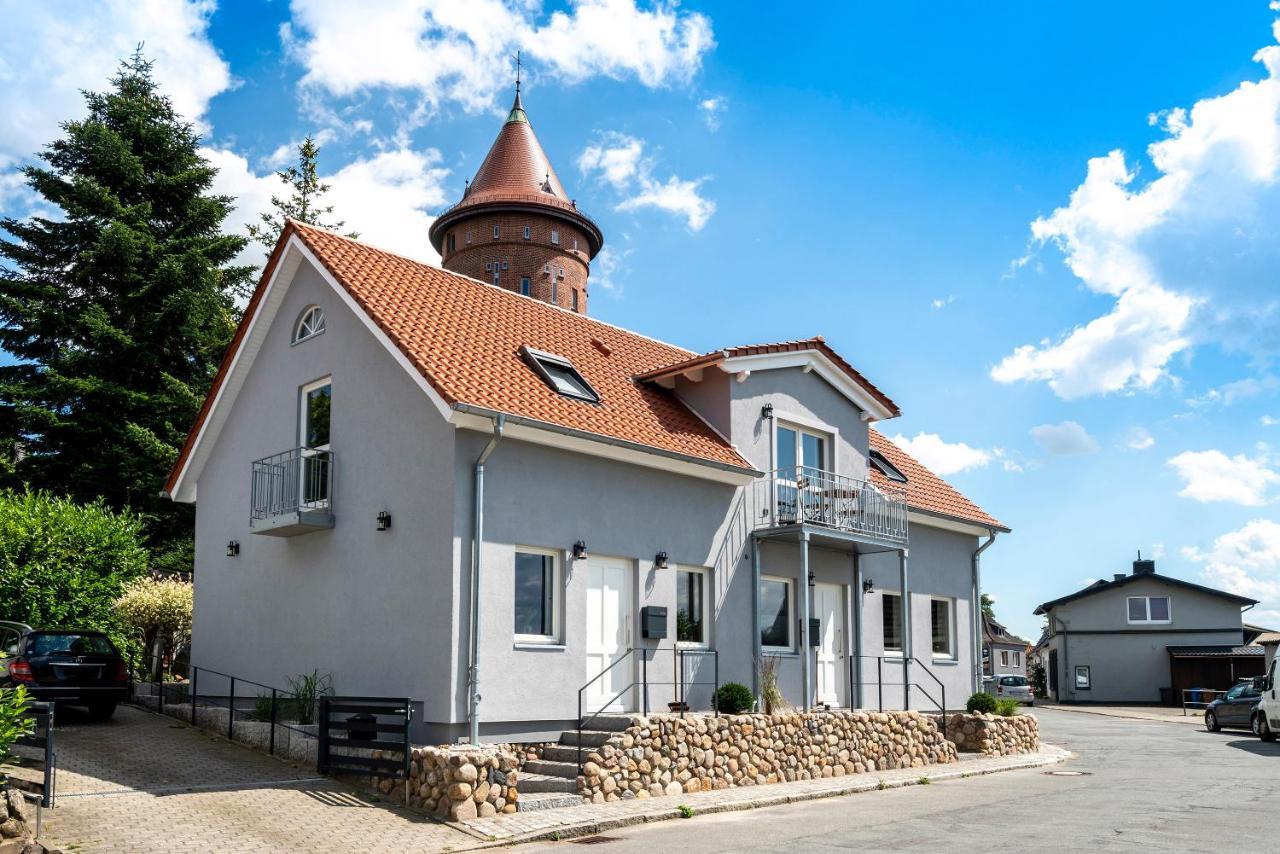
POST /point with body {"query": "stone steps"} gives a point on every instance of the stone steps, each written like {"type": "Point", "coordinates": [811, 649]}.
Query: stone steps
{"type": "Point", "coordinates": [551, 768]}
{"type": "Point", "coordinates": [565, 753]}
{"type": "Point", "coordinates": [540, 783]}
{"type": "Point", "coordinates": [547, 801]}
{"type": "Point", "coordinates": [590, 738]}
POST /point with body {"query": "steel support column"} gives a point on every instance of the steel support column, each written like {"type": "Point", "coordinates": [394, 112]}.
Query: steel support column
{"type": "Point", "coordinates": [756, 655]}
{"type": "Point", "coordinates": [906, 628]}
{"type": "Point", "coordinates": [856, 647]}
{"type": "Point", "coordinates": [806, 653]}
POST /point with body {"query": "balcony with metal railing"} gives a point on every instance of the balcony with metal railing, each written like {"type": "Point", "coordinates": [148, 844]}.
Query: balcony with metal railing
{"type": "Point", "coordinates": [801, 497]}
{"type": "Point", "coordinates": [291, 493]}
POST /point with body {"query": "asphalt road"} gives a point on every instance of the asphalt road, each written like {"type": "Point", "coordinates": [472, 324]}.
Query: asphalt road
{"type": "Point", "coordinates": [1147, 786]}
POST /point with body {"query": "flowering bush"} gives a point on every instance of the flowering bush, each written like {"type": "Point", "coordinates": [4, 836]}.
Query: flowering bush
{"type": "Point", "coordinates": [157, 610]}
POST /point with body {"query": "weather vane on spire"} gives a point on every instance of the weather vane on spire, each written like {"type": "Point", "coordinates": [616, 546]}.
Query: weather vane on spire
{"type": "Point", "coordinates": [517, 72]}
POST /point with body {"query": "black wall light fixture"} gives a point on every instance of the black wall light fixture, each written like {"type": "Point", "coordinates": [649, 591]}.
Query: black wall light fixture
{"type": "Point", "coordinates": [233, 548]}
{"type": "Point", "coordinates": [384, 520]}
{"type": "Point", "coordinates": [580, 550]}
{"type": "Point", "coordinates": [660, 560]}
{"type": "Point", "coordinates": [766, 411]}
{"type": "Point", "coordinates": [867, 585]}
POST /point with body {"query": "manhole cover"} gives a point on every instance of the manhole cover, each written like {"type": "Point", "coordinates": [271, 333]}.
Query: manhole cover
{"type": "Point", "coordinates": [1067, 773]}
{"type": "Point", "coordinates": [594, 840]}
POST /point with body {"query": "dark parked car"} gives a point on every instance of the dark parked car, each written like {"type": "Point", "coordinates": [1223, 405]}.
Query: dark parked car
{"type": "Point", "coordinates": [1233, 709]}
{"type": "Point", "coordinates": [78, 668]}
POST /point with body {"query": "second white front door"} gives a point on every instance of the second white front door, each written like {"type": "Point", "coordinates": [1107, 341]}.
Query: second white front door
{"type": "Point", "coordinates": [831, 663]}
{"type": "Point", "coordinates": [608, 633]}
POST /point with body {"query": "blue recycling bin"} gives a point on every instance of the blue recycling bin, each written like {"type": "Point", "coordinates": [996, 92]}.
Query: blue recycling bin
{"type": "Point", "coordinates": [1195, 695]}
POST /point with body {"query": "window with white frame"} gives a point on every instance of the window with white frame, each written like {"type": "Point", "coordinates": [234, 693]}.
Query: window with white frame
{"type": "Point", "coordinates": [691, 607]}
{"type": "Point", "coordinates": [310, 324]}
{"type": "Point", "coordinates": [1017, 658]}
{"type": "Point", "coordinates": [537, 600]}
{"type": "Point", "coordinates": [943, 627]}
{"type": "Point", "coordinates": [1004, 658]}
{"type": "Point", "coordinates": [527, 232]}
{"type": "Point", "coordinates": [555, 236]}
{"type": "Point", "coordinates": [801, 447]}
{"type": "Point", "coordinates": [1148, 609]}
{"type": "Point", "coordinates": [497, 231]}
{"type": "Point", "coordinates": [776, 610]}
{"type": "Point", "coordinates": [891, 622]}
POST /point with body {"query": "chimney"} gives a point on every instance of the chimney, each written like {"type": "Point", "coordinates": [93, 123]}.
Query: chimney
{"type": "Point", "coordinates": [1120, 576]}
{"type": "Point", "coordinates": [1143, 567]}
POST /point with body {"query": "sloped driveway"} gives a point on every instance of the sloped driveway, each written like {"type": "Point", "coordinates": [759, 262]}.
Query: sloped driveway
{"type": "Point", "coordinates": [147, 783]}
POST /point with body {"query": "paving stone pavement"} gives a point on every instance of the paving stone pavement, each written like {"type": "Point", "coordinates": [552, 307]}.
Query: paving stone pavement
{"type": "Point", "coordinates": [147, 783]}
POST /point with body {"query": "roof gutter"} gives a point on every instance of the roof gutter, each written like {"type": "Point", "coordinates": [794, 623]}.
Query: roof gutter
{"type": "Point", "coordinates": [978, 628]}
{"type": "Point", "coordinates": [477, 547]}
{"type": "Point", "coordinates": [522, 421]}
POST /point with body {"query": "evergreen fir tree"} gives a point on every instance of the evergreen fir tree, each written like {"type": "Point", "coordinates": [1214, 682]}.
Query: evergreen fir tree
{"type": "Point", "coordinates": [118, 310]}
{"type": "Point", "coordinates": [303, 203]}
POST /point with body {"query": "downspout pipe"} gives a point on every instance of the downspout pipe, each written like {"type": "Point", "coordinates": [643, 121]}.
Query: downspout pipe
{"type": "Point", "coordinates": [977, 610]}
{"type": "Point", "coordinates": [477, 548]}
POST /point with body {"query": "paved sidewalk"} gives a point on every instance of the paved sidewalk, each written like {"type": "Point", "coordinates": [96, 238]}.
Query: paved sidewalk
{"type": "Point", "coordinates": [591, 819]}
{"type": "Point", "coordinates": [1165, 714]}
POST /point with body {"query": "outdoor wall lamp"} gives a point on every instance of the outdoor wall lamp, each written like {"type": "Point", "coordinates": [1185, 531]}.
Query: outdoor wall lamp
{"type": "Point", "coordinates": [233, 548]}
{"type": "Point", "coordinates": [813, 580]}
{"type": "Point", "coordinates": [580, 550]}
{"type": "Point", "coordinates": [660, 560]}
{"type": "Point", "coordinates": [867, 586]}
{"type": "Point", "coordinates": [766, 412]}
{"type": "Point", "coordinates": [384, 520]}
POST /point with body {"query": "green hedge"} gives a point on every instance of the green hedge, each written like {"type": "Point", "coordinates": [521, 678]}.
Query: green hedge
{"type": "Point", "coordinates": [981, 702]}
{"type": "Point", "coordinates": [734, 699]}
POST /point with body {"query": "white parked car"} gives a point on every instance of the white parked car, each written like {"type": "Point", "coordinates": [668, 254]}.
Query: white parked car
{"type": "Point", "coordinates": [1015, 688]}
{"type": "Point", "coordinates": [1266, 717]}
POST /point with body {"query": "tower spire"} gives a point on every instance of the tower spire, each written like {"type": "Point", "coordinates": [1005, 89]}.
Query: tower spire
{"type": "Point", "coordinates": [517, 72]}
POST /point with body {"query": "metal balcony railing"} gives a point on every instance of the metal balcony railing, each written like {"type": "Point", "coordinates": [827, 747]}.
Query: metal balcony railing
{"type": "Point", "coordinates": [292, 489]}
{"type": "Point", "coordinates": [809, 496]}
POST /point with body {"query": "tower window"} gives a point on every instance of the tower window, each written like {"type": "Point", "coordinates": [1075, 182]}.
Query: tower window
{"type": "Point", "coordinates": [468, 235]}
{"type": "Point", "coordinates": [555, 292]}
{"type": "Point", "coordinates": [451, 243]}
{"type": "Point", "coordinates": [560, 273]}
{"type": "Point", "coordinates": [555, 236]}
{"type": "Point", "coordinates": [575, 244]}
{"type": "Point", "coordinates": [497, 272]}
{"type": "Point", "coordinates": [546, 268]}
{"type": "Point", "coordinates": [575, 301]}
{"type": "Point", "coordinates": [524, 286]}
{"type": "Point", "coordinates": [497, 231]}
{"type": "Point", "coordinates": [528, 232]}
{"type": "Point", "coordinates": [559, 373]}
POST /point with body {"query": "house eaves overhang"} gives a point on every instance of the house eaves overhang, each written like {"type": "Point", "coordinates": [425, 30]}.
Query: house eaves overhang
{"type": "Point", "coordinates": [539, 432]}
{"type": "Point", "coordinates": [1129, 579]}
{"type": "Point", "coordinates": [948, 522]}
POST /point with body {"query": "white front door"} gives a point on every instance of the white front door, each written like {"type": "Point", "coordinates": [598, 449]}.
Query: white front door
{"type": "Point", "coordinates": [828, 607]}
{"type": "Point", "coordinates": [608, 633]}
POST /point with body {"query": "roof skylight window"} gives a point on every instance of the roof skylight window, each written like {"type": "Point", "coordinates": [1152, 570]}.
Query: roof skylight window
{"type": "Point", "coordinates": [886, 468]}
{"type": "Point", "coordinates": [559, 373]}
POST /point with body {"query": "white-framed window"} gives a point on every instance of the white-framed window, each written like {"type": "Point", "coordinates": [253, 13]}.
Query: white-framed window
{"type": "Point", "coordinates": [777, 614]}
{"type": "Point", "coordinates": [891, 622]}
{"type": "Point", "coordinates": [942, 624]}
{"type": "Point", "coordinates": [310, 324]}
{"type": "Point", "coordinates": [555, 292]}
{"type": "Point", "coordinates": [555, 236]}
{"type": "Point", "coordinates": [1148, 609]}
{"type": "Point", "coordinates": [801, 447]}
{"type": "Point", "coordinates": [1083, 680]}
{"type": "Point", "coordinates": [575, 244]}
{"type": "Point", "coordinates": [1017, 659]}
{"type": "Point", "coordinates": [528, 232]}
{"type": "Point", "coordinates": [1004, 658]}
{"type": "Point", "coordinates": [575, 300]}
{"type": "Point", "coordinates": [497, 231]}
{"type": "Point", "coordinates": [537, 599]}
{"type": "Point", "coordinates": [692, 587]}
{"type": "Point", "coordinates": [314, 402]}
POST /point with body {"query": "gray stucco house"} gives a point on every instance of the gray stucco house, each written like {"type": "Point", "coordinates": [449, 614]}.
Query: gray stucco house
{"type": "Point", "coordinates": [465, 491]}
{"type": "Point", "coordinates": [1003, 653]}
{"type": "Point", "coordinates": [1127, 639]}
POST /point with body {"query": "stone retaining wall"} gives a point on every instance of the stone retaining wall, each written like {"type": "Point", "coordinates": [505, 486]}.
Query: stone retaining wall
{"type": "Point", "coordinates": [458, 783]}
{"type": "Point", "coordinates": [993, 735]}
{"type": "Point", "coordinates": [667, 755]}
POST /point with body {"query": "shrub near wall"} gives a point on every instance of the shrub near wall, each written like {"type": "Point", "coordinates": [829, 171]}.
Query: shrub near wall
{"type": "Point", "coordinates": [994, 735]}
{"type": "Point", "coordinates": [669, 755]}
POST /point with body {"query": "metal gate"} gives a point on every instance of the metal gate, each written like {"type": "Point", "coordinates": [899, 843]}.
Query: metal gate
{"type": "Point", "coordinates": [357, 726]}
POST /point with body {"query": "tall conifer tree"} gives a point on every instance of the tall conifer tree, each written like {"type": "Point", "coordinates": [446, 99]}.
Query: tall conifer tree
{"type": "Point", "coordinates": [118, 308]}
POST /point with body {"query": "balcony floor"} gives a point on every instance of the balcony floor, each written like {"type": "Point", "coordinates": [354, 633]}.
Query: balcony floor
{"type": "Point", "coordinates": [293, 523]}
{"type": "Point", "coordinates": [832, 538]}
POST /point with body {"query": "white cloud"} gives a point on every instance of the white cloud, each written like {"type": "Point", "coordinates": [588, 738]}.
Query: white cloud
{"type": "Point", "coordinates": [49, 52]}
{"type": "Point", "coordinates": [1268, 421]}
{"type": "Point", "coordinates": [1189, 256]}
{"type": "Point", "coordinates": [943, 457]}
{"type": "Point", "coordinates": [1232, 392]}
{"type": "Point", "coordinates": [1065, 439]}
{"type": "Point", "coordinates": [449, 51]}
{"type": "Point", "coordinates": [1213, 476]}
{"type": "Point", "coordinates": [620, 161]}
{"type": "Point", "coordinates": [1245, 562]}
{"type": "Point", "coordinates": [1139, 439]}
{"type": "Point", "coordinates": [385, 198]}
{"type": "Point", "coordinates": [942, 302]}
{"type": "Point", "coordinates": [607, 269]}
{"type": "Point", "coordinates": [712, 109]}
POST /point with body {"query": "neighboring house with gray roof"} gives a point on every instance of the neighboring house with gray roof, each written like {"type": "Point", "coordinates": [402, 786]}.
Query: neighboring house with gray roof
{"type": "Point", "coordinates": [1124, 640]}
{"type": "Point", "coordinates": [1003, 653]}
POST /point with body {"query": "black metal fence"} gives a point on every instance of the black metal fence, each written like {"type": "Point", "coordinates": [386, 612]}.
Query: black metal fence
{"type": "Point", "coordinates": [361, 724]}
{"type": "Point", "coordinates": [41, 739]}
{"type": "Point", "coordinates": [256, 712]}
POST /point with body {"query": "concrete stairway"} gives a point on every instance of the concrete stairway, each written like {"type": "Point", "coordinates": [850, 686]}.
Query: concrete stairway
{"type": "Point", "coordinates": [557, 771]}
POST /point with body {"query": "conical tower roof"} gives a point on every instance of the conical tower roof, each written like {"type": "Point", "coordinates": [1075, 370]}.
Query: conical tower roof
{"type": "Point", "coordinates": [516, 174]}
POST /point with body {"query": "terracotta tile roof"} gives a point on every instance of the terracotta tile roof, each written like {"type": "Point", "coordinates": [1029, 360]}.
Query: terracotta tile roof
{"type": "Point", "coordinates": [925, 490]}
{"type": "Point", "coordinates": [465, 338]}
{"type": "Point", "coordinates": [815, 343]}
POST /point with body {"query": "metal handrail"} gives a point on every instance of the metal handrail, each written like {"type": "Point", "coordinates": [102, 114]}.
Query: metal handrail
{"type": "Point", "coordinates": [804, 495]}
{"type": "Point", "coordinates": [593, 680]}
{"type": "Point", "coordinates": [896, 660]}
{"type": "Point", "coordinates": [678, 656]}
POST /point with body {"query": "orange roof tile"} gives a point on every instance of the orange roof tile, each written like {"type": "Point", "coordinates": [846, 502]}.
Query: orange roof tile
{"type": "Point", "coordinates": [925, 490]}
{"type": "Point", "coordinates": [465, 337]}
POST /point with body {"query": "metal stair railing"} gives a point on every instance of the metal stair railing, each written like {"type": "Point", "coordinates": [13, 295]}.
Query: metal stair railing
{"type": "Point", "coordinates": [898, 661]}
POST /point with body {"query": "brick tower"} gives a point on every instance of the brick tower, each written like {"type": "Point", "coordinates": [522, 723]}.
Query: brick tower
{"type": "Point", "coordinates": [516, 227]}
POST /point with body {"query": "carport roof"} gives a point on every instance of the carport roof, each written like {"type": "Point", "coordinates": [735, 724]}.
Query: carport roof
{"type": "Point", "coordinates": [1215, 651]}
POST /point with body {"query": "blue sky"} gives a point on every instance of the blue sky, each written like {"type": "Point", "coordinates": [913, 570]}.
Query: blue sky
{"type": "Point", "coordinates": [1048, 232]}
